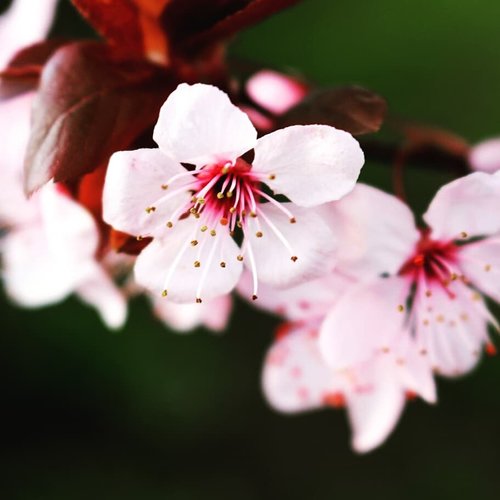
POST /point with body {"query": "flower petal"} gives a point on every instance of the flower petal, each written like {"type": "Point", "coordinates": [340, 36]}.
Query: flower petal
{"type": "Point", "coordinates": [295, 377]}
{"type": "Point", "coordinates": [374, 413]}
{"type": "Point", "coordinates": [288, 254]}
{"type": "Point", "coordinates": [310, 164]}
{"type": "Point", "coordinates": [100, 291]}
{"type": "Point", "coordinates": [480, 263]}
{"type": "Point", "coordinates": [367, 320]}
{"type": "Point", "coordinates": [377, 232]}
{"type": "Point", "coordinates": [307, 301]}
{"type": "Point", "coordinates": [213, 314]}
{"type": "Point", "coordinates": [199, 124]}
{"type": "Point", "coordinates": [170, 264]}
{"type": "Point", "coordinates": [466, 207]}
{"type": "Point", "coordinates": [275, 91]}
{"type": "Point", "coordinates": [451, 329]}
{"type": "Point", "coordinates": [135, 200]}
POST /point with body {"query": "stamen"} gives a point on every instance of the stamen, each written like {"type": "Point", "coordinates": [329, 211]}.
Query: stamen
{"type": "Point", "coordinates": [279, 234]}
{"type": "Point", "coordinates": [277, 204]}
{"type": "Point", "coordinates": [150, 210]}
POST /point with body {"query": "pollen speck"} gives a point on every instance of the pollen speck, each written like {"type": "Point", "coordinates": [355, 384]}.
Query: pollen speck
{"type": "Point", "coordinates": [428, 293]}
{"type": "Point", "coordinates": [194, 243]}
{"type": "Point", "coordinates": [254, 297]}
{"type": "Point", "coordinates": [164, 187]}
{"type": "Point", "coordinates": [197, 263]}
{"type": "Point", "coordinates": [463, 234]}
{"type": "Point", "coordinates": [293, 220]}
{"type": "Point", "coordinates": [401, 308]}
{"type": "Point", "coordinates": [222, 264]}
{"type": "Point", "coordinates": [139, 238]}
{"type": "Point", "coordinates": [487, 267]}
{"type": "Point", "coordinates": [150, 210]}
{"type": "Point", "coordinates": [198, 300]}
{"type": "Point", "coordinates": [294, 258]}
{"type": "Point", "coordinates": [169, 224]}
{"type": "Point", "coordinates": [240, 257]}
{"type": "Point", "coordinates": [271, 177]}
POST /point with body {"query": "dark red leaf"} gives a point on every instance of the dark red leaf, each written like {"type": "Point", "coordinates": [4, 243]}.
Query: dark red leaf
{"type": "Point", "coordinates": [89, 104]}
{"type": "Point", "coordinates": [23, 70]}
{"type": "Point", "coordinates": [125, 243]}
{"type": "Point", "coordinates": [130, 25]}
{"type": "Point", "coordinates": [353, 109]}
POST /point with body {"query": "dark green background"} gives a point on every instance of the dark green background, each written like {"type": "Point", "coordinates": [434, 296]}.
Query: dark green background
{"type": "Point", "coordinates": [150, 414]}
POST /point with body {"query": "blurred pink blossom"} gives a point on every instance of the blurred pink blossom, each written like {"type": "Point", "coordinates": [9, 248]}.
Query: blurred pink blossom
{"type": "Point", "coordinates": [485, 156]}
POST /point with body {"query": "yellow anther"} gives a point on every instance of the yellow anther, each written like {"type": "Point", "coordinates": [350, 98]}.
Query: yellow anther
{"type": "Point", "coordinates": [164, 293]}
{"type": "Point", "coordinates": [487, 267]}
{"type": "Point", "coordinates": [401, 308]}
{"type": "Point", "coordinates": [232, 210]}
{"type": "Point", "coordinates": [253, 214]}
{"type": "Point", "coordinates": [224, 170]}
{"type": "Point", "coordinates": [197, 263]}
{"type": "Point", "coordinates": [201, 201]}
{"type": "Point", "coordinates": [239, 224]}
{"type": "Point", "coordinates": [139, 238]}
{"type": "Point", "coordinates": [203, 228]}
{"type": "Point", "coordinates": [194, 243]}
{"type": "Point", "coordinates": [198, 300]}
{"type": "Point", "coordinates": [463, 234]}
{"type": "Point", "coordinates": [229, 194]}
{"type": "Point", "coordinates": [271, 177]}
{"type": "Point", "coordinates": [259, 234]}
{"type": "Point", "coordinates": [240, 257]}
{"type": "Point", "coordinates": [150, 210]}
{"type": "Point", "coordinates": [212, 232]}
{"type": "Point", "coordinates": [169, 224]}
{"type": "Point", "coordinates": [164, 186]}
{"type": "Point", "coordinates": [220, 196]}
{"type": "Point", "coordinates": [193, 210]}
{"type": "Point", "coordinates": [222, 264]}
{"type": "Point", "coordinates": [294, 258]}
{"type": "Point", "coordinates": [440, 318]}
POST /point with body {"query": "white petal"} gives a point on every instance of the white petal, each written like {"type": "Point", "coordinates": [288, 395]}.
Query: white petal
{"type": "Point", "coordinates": [310, 164]}
{"type": "Point", "coordinates": [168, 264]}
{"type": "Point", "coordinates": [213, 314]}
{"type": "Point", "coordinates": [374, 413]}
{"type": "Point", "coordinates": [367, 320]}
{"type": "Point", "coordinates": [480, 263]}
{"type": "Point", "coordinates": [309, 300]}
{"type": "Point", "coordinates": [308, 239]}
{"type": "Point", "coordinates": [134, 181]}
{"type": "Point", "coordinates": [199, 124]}
{"type": "Point", "coordinates": [100, 291]}
{"type": "Point", "coordinates": [295, 377]}
{"type": "Point", "coordinates": [466, 207]}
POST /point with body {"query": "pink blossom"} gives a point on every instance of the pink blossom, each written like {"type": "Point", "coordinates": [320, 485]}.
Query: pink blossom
{"type": "Point", "coordinates": [485, 156]}
{"type": "Point", "coordinates": [49, 249]}
{"type": "Point", "coordinates": [194, 212]}
{"type": "Point", "coordinates": [426, 281]}
{"type": "Point", "coordinates": [24, 23]}
{"type": "Point", "coordinates": [296, 378]}
{"type": "Point", "coordinates": [275, 91]}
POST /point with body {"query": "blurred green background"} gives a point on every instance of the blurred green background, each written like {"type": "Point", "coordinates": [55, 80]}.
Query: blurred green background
{"type": "Point", "coordinates": [150, 414]}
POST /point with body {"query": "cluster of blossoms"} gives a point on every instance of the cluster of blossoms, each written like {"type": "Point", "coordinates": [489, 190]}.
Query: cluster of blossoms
{"type": "Point", "coordinates": [374, 306]}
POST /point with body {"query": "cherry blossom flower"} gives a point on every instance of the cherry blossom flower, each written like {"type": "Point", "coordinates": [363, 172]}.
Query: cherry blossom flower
{"type": "Point", "coordinates": [426, 281]}
{"type": "Point", "coordinates": [24, 23]}
{"type": "Point", "coordinates": [50, 241]}
{"type": "Point", "coordinates": [485, 156]}
{"type": "Point", "coordinates": [296, 378]}
{"type": "Point", "coordinates": [199, 198]}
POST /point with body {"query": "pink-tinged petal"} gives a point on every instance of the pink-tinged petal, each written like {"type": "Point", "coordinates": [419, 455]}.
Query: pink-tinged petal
{"type": "Point", "coordinates": [480, 263]}
{"type": "Point", "coordinates": [275, 91]}
{"type": "Point", "coordinates": [212, 314]}
{"type": "Point", "coordinates": [14, 130]}
{"type": "Point", "coordinates": [451, 328]}
{"type": "Point", "coordinates": [366, 321]}
{"type": "Point", "coordinates": [260, 121]}
{"type": "Point", "coordinates": [307, 301]}
{"type": "Point", "coordinates": [188, 271]}
{"type": "Point", "coordinates": [485, 156]}
{"type": "Point", "coordinates": [199, 124]}
{"type": "Point", "coordinates": [100, 291]}
{"type": "Point", "coordinates": [288, 253]}
{"type": "Point", "coordinates": [25, 23]}
{"type": "Point", "coordinates": [138, 198]}
{"type": "Point", "coordinates": [466, 207]}
{"type": "Point", "coordinates": [377, 232]}
{"type": "Point", "coordinates": [375, 411]}
{"type": "Point", "coordinates": [295, 377]}
{"type": "Point", "coordinates": [310, 164]}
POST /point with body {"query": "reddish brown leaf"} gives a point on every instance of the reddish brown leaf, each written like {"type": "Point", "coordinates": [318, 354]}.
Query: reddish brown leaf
{"type": "Point", "coordinates": [125, 243]}
{"type": "Point", "coordinates": [23, 70]}
{"type": "Point", "coordinates": [354, 109]}
{"type": "Point", "coordinates": [130, 25]}
{"type": "Point", "coordinates": [89, 105]}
